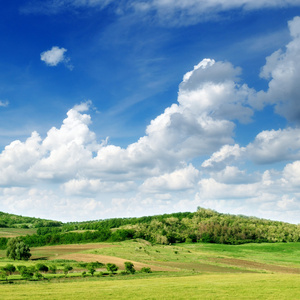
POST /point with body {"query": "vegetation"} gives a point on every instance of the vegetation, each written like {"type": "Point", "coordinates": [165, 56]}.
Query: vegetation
{"type": "Point", "coordinates": [10, 220]}
{"type": "Point", "coordinates": [17, 249]}
{"type": "Point", "coordinates": [180, 256]}
{"type": "Point", "coordinates": [204, 225]}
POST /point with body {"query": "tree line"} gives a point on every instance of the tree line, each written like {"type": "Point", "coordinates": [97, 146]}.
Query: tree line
{"type": "Point", "coordinates": [204, 225]}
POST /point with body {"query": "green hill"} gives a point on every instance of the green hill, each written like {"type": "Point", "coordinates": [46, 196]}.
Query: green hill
{"type": "Point", "coordinates": [16, 221]}
{"type": "Point", "coordinates": [204, 225]}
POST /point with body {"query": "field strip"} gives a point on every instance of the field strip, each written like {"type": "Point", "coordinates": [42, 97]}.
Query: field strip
{"type": "Point", "coordinates": [203, 267]}
{"type": "Point", "coordinates": [87, 257]}
{"type": "Point", "coordinates": [255, 265]}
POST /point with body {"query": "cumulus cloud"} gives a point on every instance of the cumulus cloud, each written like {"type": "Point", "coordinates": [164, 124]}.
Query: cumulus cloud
{"type": "Point", "coordinates": [55, 56]}
{"type": "Point", "coordinates": [181, 179]}
{"type": "Point", "coordinates": [282, 69]}
{"type": "Point", "coordinates": [275, 145]}
{"type": "Point", "coordinates": [188, 156]}
{"type": "Point", "coordinates": [212, 88]}
{"type": "Point", "coordinates": [224, 156]}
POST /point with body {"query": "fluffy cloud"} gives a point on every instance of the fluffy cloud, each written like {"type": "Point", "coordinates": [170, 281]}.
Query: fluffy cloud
{"type": "Point", "coordinates": [275, 145]}
{"type": "Point", "coordinates": [225, 155]}
{"type": "Point", "coordinates": [55, 56]}
{"type": "Point", "coordinates": [282, 69]}
{"type": "Point", "coordinates": [187, 157]}
{"type": "Point", "coordinates": [181, 179]}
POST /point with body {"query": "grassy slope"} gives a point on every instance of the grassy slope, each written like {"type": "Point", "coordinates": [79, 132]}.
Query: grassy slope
{"type": "Point", "coordinates": [188, 280]}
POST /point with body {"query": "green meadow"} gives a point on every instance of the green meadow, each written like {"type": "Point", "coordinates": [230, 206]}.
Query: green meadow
{"type": "Point", "coordinates": [212, 286]}
{"type": "Point", "coordinates": [180, 271]}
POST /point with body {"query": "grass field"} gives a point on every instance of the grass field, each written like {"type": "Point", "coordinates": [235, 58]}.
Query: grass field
{"type": "Point", "coordinates": [181, 271]}
{"type": "Point", "coordinates": [217, 286]}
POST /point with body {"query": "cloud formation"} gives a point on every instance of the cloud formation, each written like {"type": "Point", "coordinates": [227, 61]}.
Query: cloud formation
{"type": "Point", "coordinates": [188, 156]}
{"type": "Point", "coordinates": [56, 56]}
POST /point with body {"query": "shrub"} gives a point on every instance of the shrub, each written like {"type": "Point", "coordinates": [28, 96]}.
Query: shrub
{"type": "Point", "coordinates": [146, 270]}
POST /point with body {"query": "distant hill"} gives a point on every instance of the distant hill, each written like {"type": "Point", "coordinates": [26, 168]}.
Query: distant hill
{"type": "Point", "coordinates": [13, 221]}
{"type": "Point", "coordinates": [204, 225]}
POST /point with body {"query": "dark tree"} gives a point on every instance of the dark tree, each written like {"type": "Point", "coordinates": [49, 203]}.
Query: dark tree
{"type": "Point", "coordinates": [17, 249]}
{"type": "Point", "coordinates": [111, 268]}
{"type": "Point", "coordinates": [129, 267]}
{"type": "Point", "coordinates": [42, 267]}
{"type": "Point", "coordinates": [9, 268]}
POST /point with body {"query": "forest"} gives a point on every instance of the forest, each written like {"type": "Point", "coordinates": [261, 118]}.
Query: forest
{"type": "Point", "coordinates": [204, 225]}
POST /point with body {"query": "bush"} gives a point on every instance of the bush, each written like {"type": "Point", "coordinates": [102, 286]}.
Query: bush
{"type": "Point", "coordinates": [53, 269]}
{"type": "Point", "coordinates": [146, 270]}
{"type": "Point", "coordinates": [42, 267]}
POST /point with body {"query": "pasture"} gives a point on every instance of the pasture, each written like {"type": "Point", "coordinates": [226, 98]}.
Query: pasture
{"type": "Point", "coordinates": [180, 271]}
{"type": "Point", "coordinates": [212, 286]}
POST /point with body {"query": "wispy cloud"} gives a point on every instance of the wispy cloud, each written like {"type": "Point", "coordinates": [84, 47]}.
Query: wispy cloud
{"type": "Point", "coordinates": [4, 103]}
{"type": "Point", "coordinates": [56, 56]}
{"type": "Point", "coordinates": [167, 12]}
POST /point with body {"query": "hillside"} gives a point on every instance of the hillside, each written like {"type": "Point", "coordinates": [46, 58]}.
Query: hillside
{"type": "Point", "coordinates": [16, 221]}
{"type": "Point", "coordinates": [204, 225]}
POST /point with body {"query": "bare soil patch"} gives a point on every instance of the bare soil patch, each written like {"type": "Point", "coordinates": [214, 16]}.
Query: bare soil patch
{"type": "Point", "coordinates": [55, 252]}
{"type": "Point", "coordinates": [255, 265]}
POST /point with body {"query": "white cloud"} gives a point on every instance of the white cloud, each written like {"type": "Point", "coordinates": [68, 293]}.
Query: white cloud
{"type": "Point", "coordinates": [275, 145]}
{"type": "Point", "coordinates": [4, 103]}
{"type": "Point", "coordinates": [181, 179]}
{"type": "Point", "coordinates": [282, 68]}
{"type": "Point", "coordinates": [225, 155]}
{"type": "Point", "coordinates": [212, 88]}
{"type": "Point", "coordinates": [233, 175]}
{"type": "Point", "coordinates": [291, 174]}
{"type": "Point", "coordinates": [72, 170]}
{"type": "Point", "coordinates": [95, 186]}
{"type": "Point", "coordinates": [55, 56]}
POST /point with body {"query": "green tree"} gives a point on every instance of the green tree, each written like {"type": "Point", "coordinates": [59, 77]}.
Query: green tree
{"type": "Point", "coordinates": [91, 269]}
{"type": "Point", "coordinates": [42, 267]}
{"type": "Point", "coordinates": [129, 267]}
{"type": "Point", "coordinates": [112, 268]}
{"type": "Point", "coordinates": [10, 268]}
{"type": "Point", "coordinates": [17, 249]}
{"type": "Point", "coordinates": [67, 268]}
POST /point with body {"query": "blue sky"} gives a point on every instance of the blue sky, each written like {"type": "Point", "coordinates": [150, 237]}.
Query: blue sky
{"type": "Point", "coordinates": [131, 108]}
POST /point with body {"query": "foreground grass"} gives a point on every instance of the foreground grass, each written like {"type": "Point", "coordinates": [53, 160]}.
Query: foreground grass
{"type": "Point", "coordinates": [218, 286]}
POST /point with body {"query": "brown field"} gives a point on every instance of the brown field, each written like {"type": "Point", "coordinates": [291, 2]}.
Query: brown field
{"type": "Point", "coordinates": [60, 251]}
